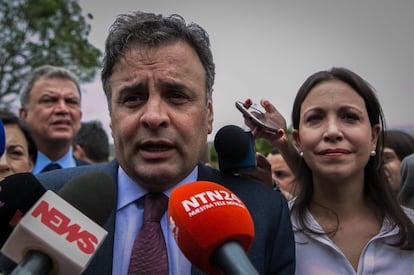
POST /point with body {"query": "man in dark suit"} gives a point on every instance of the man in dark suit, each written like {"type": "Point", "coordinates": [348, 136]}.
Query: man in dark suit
{"type": "Point", "coordinates": [406, 194]}
{"type": "Point", "coordinates": [158, 76]}
{"type": "Point", "coordinates": [50, 106]}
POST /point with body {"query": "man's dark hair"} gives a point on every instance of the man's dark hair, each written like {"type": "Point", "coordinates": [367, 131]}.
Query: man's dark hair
{"type": "Point", "coordinates": [94, 141]}
{"type": "Point", "coordinates": [142, 29]}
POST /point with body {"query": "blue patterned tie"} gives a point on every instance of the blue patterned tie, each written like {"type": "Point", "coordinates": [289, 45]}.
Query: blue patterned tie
{"type": "Point", "coordinates": [149, 253]}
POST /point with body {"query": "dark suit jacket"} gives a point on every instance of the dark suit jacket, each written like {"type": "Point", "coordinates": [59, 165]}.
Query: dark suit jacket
{"type": "Point", "coordinates": [273, 248]}
{"type": "Point", "coordinates": [406, 194]}
{"type": "Point", "coordinates": [80, 162]}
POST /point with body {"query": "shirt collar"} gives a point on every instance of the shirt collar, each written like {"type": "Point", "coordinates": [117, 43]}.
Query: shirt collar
{"type": "Point", "coordinates": [129, 191]}
{"type": "Point", "coordinates": [42, 161]}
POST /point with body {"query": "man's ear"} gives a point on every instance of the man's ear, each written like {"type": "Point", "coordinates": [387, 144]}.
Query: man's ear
{"type": "Point", "coordinates": [22, 113]}
{"type": "Point", "coordinates": [295, 136]}
{"type": "Point", "coordinates": [78, 152]}
{"type": "Point", "coordinates": [210, 115]}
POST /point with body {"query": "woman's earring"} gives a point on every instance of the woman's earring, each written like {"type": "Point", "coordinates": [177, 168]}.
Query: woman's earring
{"type": "Point", "coordinates": [301, 154]}
{"type": "Point", "coordinates": [373, 153]}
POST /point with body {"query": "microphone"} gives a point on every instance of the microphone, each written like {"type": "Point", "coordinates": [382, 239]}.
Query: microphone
{"type": "Point", "coordinates": [55, 236]}
{"type": "Point", "coordinates": [2, 138]}
{"type": "Point", "coordinates": [235, 150]}
{"type": "Point", "coordinates": [212, 227]}
{"type": "Point", "coordinates": [18, 193]}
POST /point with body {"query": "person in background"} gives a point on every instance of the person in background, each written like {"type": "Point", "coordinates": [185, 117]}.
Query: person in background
{"type": "Point", "coordinates": [20, 150]}
{"type": "Point", "coordinates": [91, 143]}
{"type": "Point", "coordinates": [397, 145]}
{"type": "Point", "coordinates": [282, 175]}
{"type": "Point", "coordinates": [50, 106]}
{"type": "Point", "coordinates": [345, 218]}
{"type": "Point", "coordinates": [158, 75]}
{"type": "Point", "coordinates": [406, 193]}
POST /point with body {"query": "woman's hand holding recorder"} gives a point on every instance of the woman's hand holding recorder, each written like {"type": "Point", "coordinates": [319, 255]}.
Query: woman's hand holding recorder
{"type": "Point", "coordinates": [269, 123]}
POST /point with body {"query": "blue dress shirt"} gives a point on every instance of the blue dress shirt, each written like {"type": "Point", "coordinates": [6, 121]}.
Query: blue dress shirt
{"type": "Point", "coordinates": [129, 218]}
{"type": "Point", "coordinates": [42, 161]}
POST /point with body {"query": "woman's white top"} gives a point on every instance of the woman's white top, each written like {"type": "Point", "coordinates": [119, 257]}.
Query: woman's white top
{"type": "Point", "coordinates": [318, 255]}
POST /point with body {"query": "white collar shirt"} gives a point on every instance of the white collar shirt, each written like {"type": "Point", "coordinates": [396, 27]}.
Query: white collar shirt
{"type": "Point", "coordinates": [318, 254]}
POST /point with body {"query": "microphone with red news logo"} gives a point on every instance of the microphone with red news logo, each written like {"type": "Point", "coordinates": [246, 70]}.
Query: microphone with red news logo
{"type": "Point", "coordinates": [212, 227]}
{"type": "Point", "coordinates": [60, 234]}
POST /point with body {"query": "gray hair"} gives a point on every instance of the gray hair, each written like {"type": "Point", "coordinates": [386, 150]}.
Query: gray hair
{"type": "Point", "coordinates": [139, 29]}
{"type": "Point", "coordinates": [46, 71]}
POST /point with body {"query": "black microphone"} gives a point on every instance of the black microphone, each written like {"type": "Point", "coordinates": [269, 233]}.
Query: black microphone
{"type": "Point", "coordinates": [18, 193]}
{"type": "Point", "coordinates": [235, 150]}
{"type": "Point", "coordinates": [60, 234]}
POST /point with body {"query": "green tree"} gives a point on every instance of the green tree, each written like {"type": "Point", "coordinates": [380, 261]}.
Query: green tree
{"type": "Point", "coordinates": [263, 146]}
{"type": "Point", "coordinates": [38, 32]}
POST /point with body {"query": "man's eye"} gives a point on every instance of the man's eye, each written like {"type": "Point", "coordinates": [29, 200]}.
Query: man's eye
{"type": "Point", "coordinates": [47, 100]}
{"type": "Point", "coordinates": [133, 100]}
{"type": "Point", "coordinates": [73, 102]}
{"type": "Point", "coordinates": [178, 97]}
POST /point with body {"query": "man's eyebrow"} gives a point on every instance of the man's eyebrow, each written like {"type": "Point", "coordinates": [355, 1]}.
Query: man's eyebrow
{"type": "Point", "coordinates": [132, 88]}
{"type": "Point", "coordinates": [174, 86]}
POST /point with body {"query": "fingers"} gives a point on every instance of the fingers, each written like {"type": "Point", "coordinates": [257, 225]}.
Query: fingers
{"type": "Point", "coordinates": [269, 107]}
{"type": "Point", "coordinates": [275, 115]}
{"type": "Point", "coordinates": [248, 102]}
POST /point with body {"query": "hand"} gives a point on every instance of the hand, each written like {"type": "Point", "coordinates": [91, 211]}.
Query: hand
{"type": "Point", "coordinates": [278, 139]}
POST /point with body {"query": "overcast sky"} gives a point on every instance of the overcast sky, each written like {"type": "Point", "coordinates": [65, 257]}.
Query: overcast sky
{"type": "Point", "coordinates": [266, 49]}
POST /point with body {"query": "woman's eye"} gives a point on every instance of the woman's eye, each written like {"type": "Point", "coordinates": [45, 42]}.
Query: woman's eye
{"type": "Point", "coordinates": [16, 153]}
{"type": "Point", "coordinates": [280, 174]}
{"type": "Point", "coordinates": [388, 157]}
{"type": "Point", "coordinates": [351, 117]}
{"type": "Point", "coordinates": [314, 118]}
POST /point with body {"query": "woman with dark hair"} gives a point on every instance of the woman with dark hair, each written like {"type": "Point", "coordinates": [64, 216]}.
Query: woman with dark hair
{"type": "Point", "coordinates": [346, 219]}
{"type": "Point", "coordinates": [397, 145]}
{"type": "Point", "coordinates": [20, 151]}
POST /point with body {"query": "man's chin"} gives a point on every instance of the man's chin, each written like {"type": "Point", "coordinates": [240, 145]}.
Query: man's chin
{"type": "Point", "coordinates": [157, 173]}
{"type": "Point", "coordinates": [61, 137]}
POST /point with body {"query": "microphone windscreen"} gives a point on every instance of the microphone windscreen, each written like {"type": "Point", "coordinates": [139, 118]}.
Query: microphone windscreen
{"type": "Point", "coordinates": [66, 226]}
{"type": "Point", "coordinates": [203, 216]}
{"type": "Point", "coordinates": [235, 149]}
{"type": "Point", "coordinates": [2, 139]}
{"type": "Point", "coordinates": [18, 193]}
{"type": "Point", "coordinates": [92, 193]}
